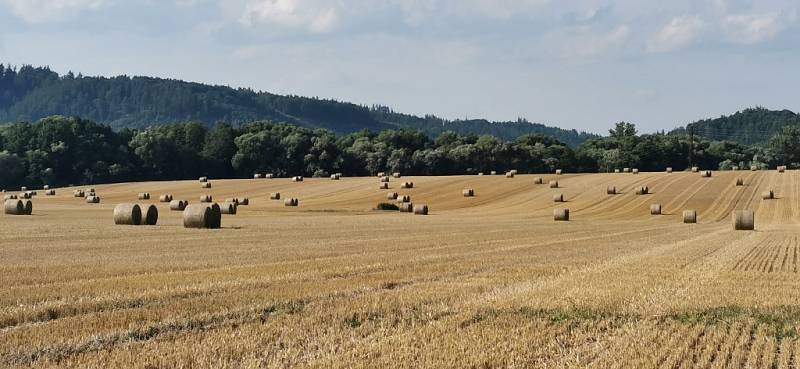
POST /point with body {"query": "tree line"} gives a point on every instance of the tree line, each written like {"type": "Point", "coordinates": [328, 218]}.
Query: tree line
{"type": "Point", "coordinates": [61, 150]}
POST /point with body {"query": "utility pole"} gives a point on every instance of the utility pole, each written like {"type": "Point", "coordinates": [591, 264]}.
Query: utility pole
{"type": "Point", "coordinates": [691, 144]}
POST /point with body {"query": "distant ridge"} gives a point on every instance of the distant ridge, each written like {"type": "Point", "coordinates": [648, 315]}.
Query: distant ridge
{"type": "Point", "coordinates": [30, 93]}
{"type": "Point", "coordinates": [749, 126]}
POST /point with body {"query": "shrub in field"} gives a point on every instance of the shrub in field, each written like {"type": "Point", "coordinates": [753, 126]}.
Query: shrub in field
{"type": "Point", "coordinates": [387, 206]}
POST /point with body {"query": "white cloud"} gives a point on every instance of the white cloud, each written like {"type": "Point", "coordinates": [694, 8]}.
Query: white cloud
{"type": "Point", "coordinates": [186, 3]}
{"type": "Point", "coordinates": [455, 53]}
{"type": "Point", "coordinates": [752, 28]}
{"type": "Point", "coordinates": [415, 12]}
{"type": "Point", "coordinates": [313, 15]}
{"type": "Point", "coordinates": [681, 31]}
{"type": "Point", "coordinates": [646, 94]}
{"type": "Point", "coordinates": [591, 43]}
{"type": "Point", "coordinates": [39, 11]}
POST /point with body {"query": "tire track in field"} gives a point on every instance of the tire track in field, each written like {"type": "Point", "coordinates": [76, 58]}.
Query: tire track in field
{"type": "Point", "coordinates": [609, 201]}
{"type": "Point", "coordinates": [728, 206]}
{"type": "Point", "coordinates": [633, 201]}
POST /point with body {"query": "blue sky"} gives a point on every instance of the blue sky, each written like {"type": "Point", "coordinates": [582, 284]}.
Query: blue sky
{"type": "Point", "coordinates": [581, 64]}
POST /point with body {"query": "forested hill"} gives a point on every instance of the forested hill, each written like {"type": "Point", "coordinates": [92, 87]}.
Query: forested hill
{"type": "Point", "coordinates": [30, 93]}
{"type": "Point", "coordinates": [750, 126]}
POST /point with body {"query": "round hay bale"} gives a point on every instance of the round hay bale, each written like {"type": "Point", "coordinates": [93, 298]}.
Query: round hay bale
{"type": "Point", "coordinates": [178, 205]}
{"type": "Point", "coordinates": [635, 171]}
{"type": "Point", "coordinates": [275, 196]}
{"type": "Point", "coordinates": [690, 216]}
{"type": "Point", "coordinates": [421, 209]}
{"type": "Point", "coordinates": [734, 168]}
{"type": "Point", "coordinates": [28, 207]}
{"type": "Point", "coordinates": [165, 198]}
{"type": "Point", "coordinates": [144, 196]}
{"type": "Point", "coordinates": [655, 209]}
{"type": "Point", "coordinates": [626, 170]}
{"type": "Point", "coordinates": [514, 171]}
{"type": "Point", "coordinates": [391, 196]}
{"type": "Point", "coordinates": [695, 169]}
{"type": "Point", "coordinates": [559, 172]}
{"type": "Point", "coordinates": [46, 187]}
{"type": "Point", "coordinates": [743, 220]}
{"type": "Point", "coordinates": [93, 199]}
{"type": "Point", "coordinates": [480, 173]}
{"type": "Point", "coordinates": [494, 173]}
{"type": "Point", "coordinates": [509, 175]}
{"type": "Point", "coordinates": [404, 198]}
{"type": "Point", "coordinates": [291, 202]}
{"type": "Point", "coordinates": [244, 201]}
{"type": "Point", "coordinates": [558, 198]}
{"type": "Point", "coordinates": [396, 174]}
{"type": "Point", "coordinates": [257, 176]}
{"type": "Point", "coordinates": [203, 179]}
{"type": "Point", "coordinates": [14, 207]}
{"type": "Point", "coordinates": [10, 197]}
{"type": "Point", "coordinates": [334, 177]}
{"type": "Point", "coordinates": [50, 192]}
{"type": "Point", "coordinates": [205, 185]}
{"type": "Point", "coordinates": [25, 195]}
{"type": "Point", "coordinates": [538, 180]}
{"type": "Point", "coordinates": [381, 174]}
{"type": "Point", "coordinates": [197, 216]}
{"type": "Point", "coordinates": [385, 179]}
{"type": "Point", "coordinates": [406, 207]}
{"type": "Point", "coordinates": [468, 192]}
{"type": "Point", "coordinates": [706, 174]}
{"type": "Point", "coordinates": [206, 198]}
{"type": "Point", "coordinates": [407, 185]}
{"type": "Point", "coordinates": [384, 186]}
{"type": "Point", "coordinates": [754, 168]}
{"type": "Point", "coordinates": [297, 179]}
{"type": "Point", "coordinates": [228, 208]}
{"type": "Point", "coordinates": [561, 215]}
{"type": "Point", "coordinates": [611, 190]}
{"type": "Point", "coordinates": [127, 214]}
{"type": "Point", "coordinates": [739, 182]}
{"type": "Point", "coordinates": [78, 193]}
{"type": "Point", "coordinates": [150, 215]}
{"type": "Point", "coordinates": [781, 169]}
{"type": "Point", "coordinates": [23, 188]}
{"type": "Point", "coordinates": [642, 190]}
{"type": "Point", "coordinates": [617, 170]}
{"type": "Point", "coordinates": [269, 176]}
{"type": "Point", "coordinates": [88, 194]}
{"type": "Point", "coordinates": [669, 169]}
{"type": "Point", "coordinates": [768, 195]}
{"type": "Point", "coordinates": [553, 184]}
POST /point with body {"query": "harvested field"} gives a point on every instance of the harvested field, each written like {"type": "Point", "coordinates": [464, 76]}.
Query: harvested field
{"type": "Point", "coordinates": [481, 282]}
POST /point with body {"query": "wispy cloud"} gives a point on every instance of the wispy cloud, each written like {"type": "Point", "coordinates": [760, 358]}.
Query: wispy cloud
{"type": "Point", "coordinates": [753, 28]}
{"type": "Point", "coordinates": [312, 15]}
{"type": "Point", "coordinates": [679, 32]}
{"type": "Point", "coordinates": [588, 42]}
{"type": "Point", "coordinates": [38, 11]}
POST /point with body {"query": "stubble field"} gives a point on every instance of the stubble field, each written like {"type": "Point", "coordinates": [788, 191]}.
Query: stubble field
{"type": "Point", "coordinates": [484, 282]}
